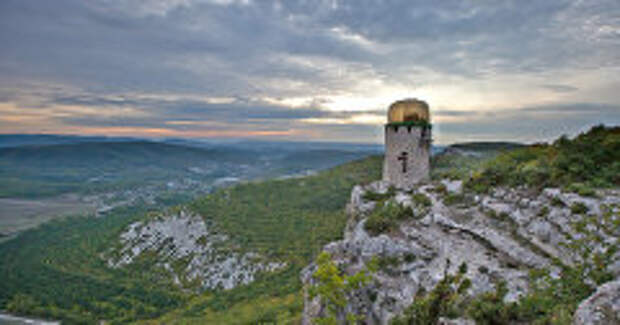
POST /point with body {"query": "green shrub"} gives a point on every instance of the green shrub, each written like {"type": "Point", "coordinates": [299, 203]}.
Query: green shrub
{"type": "Point", "coordinates": [578, 208]}
{"type": "Point", "coordinates": [378, 197]}
{"type": "Point", "coordinates": [463, 268]}
{"type": "Point", "coordinates": [335, 289]}
{"type": "Point", "coordinates": [409, 258]}
{"type": "Point", "coordinates": [377, 224]}
{"type": "Point", "coordinates": [440, 189]}
{"type": "Point", "coordinates": [557, 202]}
{"type": "Point", "coordinates": [385, 218]}
{"type": "Point", "coordinates": [581, 189]}
{"type": "Point", "coordinates": [386, 263]}
{"type": "Point", "coordinates": [446, 299]}
{"type": "Point", "coordinates": [454, 199]}
{"type": "Point", "coordinates": [502, 216]}
{"type": "Point", "coordinates": [479, 187]}
{"type": "Point", "coordinates": [421, 200]}
{"type": "Point", "coordinates": [543, 212]}
{"type": "Point", "coordinates": [489, 308]}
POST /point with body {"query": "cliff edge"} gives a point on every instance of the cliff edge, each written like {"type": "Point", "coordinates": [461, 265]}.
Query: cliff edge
{"type": "Point", "coordinates": [495, 241]}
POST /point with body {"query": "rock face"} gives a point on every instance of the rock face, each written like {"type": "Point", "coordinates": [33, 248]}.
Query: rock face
{"type": "Point", "coordinates": [500, 237]}
{"type": "Point", "coordinates": [602, 307]}
{"type": "Point", "coordinates": [185, 247]}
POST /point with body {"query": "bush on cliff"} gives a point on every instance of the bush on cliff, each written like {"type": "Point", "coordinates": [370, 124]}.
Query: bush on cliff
{"type": "Point", "coordinates": [335, 289]}
{"type": "Point", "coordinates": [446, 299]}
{"type": "Point", "coordinates": [386, 218]}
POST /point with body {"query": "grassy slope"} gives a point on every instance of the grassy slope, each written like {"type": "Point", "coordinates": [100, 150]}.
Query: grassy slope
{"type": "Point", "coordinates": [55, 270]}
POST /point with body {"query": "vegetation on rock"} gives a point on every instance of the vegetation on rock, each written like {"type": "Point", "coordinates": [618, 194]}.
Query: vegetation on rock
{"type": "Point", "coordinates": [446, 299]}
{"type": "Point", "coordinates": [552, 299]}
{"type": "Point", "coordinates": [386, 218]}
{"type": "Point", "coordinates": [335, 288]}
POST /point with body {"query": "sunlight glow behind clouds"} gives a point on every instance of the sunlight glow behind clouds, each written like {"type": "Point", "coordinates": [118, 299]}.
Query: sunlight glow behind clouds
{"type": "Point", "coordinates": [318, 70]}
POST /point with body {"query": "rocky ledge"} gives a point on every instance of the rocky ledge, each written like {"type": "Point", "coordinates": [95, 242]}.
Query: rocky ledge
{"type": "Point", "coordinates": [500, 237]}
{"type": "Point", "coordinates": [192, 253]}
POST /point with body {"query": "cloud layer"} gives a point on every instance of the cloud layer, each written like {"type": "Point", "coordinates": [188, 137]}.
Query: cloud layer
{"type": "Point", "coordinates": [319, 70]}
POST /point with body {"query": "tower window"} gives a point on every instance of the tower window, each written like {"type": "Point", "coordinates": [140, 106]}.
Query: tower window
{"type": "Point", "coordinates": [403, 159]}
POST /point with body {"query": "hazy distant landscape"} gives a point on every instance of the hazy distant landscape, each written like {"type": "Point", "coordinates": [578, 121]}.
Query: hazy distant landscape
{"type": "Point", "coordinates": [42, 176]}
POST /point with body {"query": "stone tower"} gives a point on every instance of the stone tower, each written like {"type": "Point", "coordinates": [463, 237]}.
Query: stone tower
{"type": "Point", "coordinates": [407, 143]}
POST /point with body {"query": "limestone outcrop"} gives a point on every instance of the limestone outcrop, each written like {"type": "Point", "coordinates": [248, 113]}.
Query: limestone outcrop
{"type": "Point", "coordinates": [499, 237]}
{"type": "Point", "coordinates": [190, 251]}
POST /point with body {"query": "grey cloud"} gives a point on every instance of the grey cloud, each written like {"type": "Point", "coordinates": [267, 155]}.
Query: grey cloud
{"type": "Point", "coordinates": [529, 124]}
{"type": "Point", "coordinates": [107, 48]}
{"type": "Point", "coordinates": [591, 108]}
{"type": "Point", "coordinates": [453, 113]}
{"type": "Point", "coordinates": [560, 88]}
{"type": "Point", "coordinates": [157, 113]}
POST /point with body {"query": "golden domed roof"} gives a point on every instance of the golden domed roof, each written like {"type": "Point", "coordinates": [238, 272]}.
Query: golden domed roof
{"type": "Point", "coordinates": [408, 110]}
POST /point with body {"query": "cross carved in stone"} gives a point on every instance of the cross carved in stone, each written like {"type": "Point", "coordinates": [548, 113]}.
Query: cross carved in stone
{"type": "Point", "coordinates": [403, 160]}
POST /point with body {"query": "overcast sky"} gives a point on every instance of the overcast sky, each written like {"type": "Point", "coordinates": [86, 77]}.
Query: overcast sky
{"type": "Point", "coordinates": [308, 70]}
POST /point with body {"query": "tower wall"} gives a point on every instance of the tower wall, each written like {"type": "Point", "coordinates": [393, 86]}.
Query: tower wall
{"type": "Point", "coordinates": [407, 155]}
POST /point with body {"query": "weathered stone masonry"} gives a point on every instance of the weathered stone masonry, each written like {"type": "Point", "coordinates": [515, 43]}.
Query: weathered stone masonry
{"type": "Point", "coordinates": [407, 155]}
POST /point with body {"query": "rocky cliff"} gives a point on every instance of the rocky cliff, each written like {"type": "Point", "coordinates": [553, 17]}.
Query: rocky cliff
{"type": "Point", "coordinates": [190, 251]}
{"type": "Point", "coordinates": [493, 238]}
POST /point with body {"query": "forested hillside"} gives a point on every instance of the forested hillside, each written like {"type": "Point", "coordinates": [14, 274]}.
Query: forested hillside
{"type": "Point", "coordinates": [57, 270]}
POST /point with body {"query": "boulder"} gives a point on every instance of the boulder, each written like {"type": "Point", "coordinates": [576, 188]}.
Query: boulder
{"type": "Point", "coordinates": [601, 308]}
{"type": "Point", "coordinates": [456, 321]}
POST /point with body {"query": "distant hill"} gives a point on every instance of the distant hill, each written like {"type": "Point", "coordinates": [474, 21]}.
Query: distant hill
{"type": "Point", "coordinates": [112, 154]}
{"type": "Point", "coordinates": [591, 159]}
{"type": "Point", "coordinates": [16, 140]}
{"type": "Point", "coordinates": [36, 170]}
{"type": "Point", "coordinates": [486, 146]}
{"type": "Point", "coordinates": [460, 159]}
{"type": "Point", "coordinates": [260, 145]}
